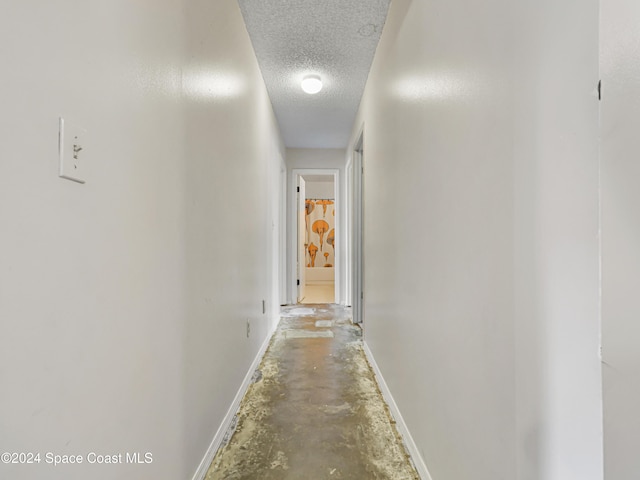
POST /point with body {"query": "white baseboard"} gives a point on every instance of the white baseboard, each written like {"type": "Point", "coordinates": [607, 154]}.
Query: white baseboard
{"type": "Point", "coordinates": [233, 409]}
{"type": "Point", "coordinates": [411, 446]}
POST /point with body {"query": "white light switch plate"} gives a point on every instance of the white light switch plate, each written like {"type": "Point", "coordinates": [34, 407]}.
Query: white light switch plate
{"type": "Point", "coordinates": [72, 151]}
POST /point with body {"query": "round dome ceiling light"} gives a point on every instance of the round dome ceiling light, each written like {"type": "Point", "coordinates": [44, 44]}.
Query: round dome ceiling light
{"type": "Point", "coordinates": [311, 84]}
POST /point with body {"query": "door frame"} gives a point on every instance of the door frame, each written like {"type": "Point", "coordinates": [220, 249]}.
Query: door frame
{"type": "Point", "coordinates": [293, 231]}
{"type": "Point", "coordinates": [302, 239]}
{"type": "Point", "coordinates": [357, 229]}
{"type": "Point", "coordinates": [282, 224]}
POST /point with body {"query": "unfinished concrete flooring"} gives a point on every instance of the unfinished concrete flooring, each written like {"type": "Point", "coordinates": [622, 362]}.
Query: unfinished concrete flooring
{"type": "Point", "coordinates": [314, 411]}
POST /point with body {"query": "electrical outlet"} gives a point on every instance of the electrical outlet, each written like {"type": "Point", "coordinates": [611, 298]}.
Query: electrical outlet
{"type": "Point", "coordinates": [71, 143]}
{"type": "Point", "coordinates": [248, 328]}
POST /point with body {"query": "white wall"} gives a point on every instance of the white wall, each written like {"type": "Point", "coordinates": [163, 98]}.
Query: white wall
{"type": "Point", "coordinates": [481, 298]}
{"type": "Point", "coordinates": [559, 392]}
{"type": "Point", "coordinates": [315, 189]}
{"type": "Point", "coordinates": [318, 158]}
{"type": "Point", "coordinates": [233, 165]}
{"type": "Point", "coordinates": [620, 117]}
{"type": "Point", "coordinates": [123, 301]}
{"type": "Point", "coordinates": [438, 295]}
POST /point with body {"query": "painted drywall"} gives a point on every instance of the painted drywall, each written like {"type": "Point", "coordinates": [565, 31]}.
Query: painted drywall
{"type": "Point", "coordinates": [438, 299]}
{"type": "Point", "coordinates": [322, 190]}
{"type": "Point", "coordinates": [559, 386]}
{"type": "Point", "coordinates": [620, 116]}
{"type": "Point", "coordinates": [484, 292]}
{"type": "Point", "coordinates": [233, 165]}
{"type": "Point", "coordinates": [123, 301]}
{"type": "Point", "coordinates": [313, 159]}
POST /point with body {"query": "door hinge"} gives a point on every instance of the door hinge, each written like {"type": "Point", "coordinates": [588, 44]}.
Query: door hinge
{"type": "Point", "coordinates": [298, 283]}
{"type": "Point", "coordinates": [298, 189]}
{"type": "Point", "coordinates": [599, 89]}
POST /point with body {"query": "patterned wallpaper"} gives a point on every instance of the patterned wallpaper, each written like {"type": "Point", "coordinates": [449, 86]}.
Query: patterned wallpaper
{"type": "Point", "coordinates": [321, 233]}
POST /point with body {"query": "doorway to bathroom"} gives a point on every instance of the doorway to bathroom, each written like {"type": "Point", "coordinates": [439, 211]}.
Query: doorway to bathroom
{"type": "Point", "coordinates": [317, 219]}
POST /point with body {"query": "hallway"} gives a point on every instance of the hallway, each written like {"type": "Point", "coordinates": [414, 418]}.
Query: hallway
{"type": "Point", "coordinates": [485, 165]}
{"type": "Point", "coordinates": [314, 410]}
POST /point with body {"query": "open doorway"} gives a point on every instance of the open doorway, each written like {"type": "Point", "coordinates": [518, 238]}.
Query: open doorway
{"type": "Point", "coordinates": [316, 232]}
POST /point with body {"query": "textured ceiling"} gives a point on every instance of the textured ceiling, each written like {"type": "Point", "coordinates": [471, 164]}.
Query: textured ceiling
{"type": "Point", "coordinates": [335, 39]}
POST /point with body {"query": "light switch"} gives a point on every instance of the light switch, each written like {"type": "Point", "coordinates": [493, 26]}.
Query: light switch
{"type": "Point", "coordinates": [72, 151]}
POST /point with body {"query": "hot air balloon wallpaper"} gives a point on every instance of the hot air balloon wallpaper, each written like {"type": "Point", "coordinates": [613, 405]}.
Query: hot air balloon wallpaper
{"type": "Point", "coordinates": [321, 231]}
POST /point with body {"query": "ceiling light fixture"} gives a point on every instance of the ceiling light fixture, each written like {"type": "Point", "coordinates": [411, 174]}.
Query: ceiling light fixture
{"type": "Point", "coordinates": [311, 84]}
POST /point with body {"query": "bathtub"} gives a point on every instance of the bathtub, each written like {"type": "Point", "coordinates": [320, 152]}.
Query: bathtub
{"type": "Point", "coordinates": [319, 275]}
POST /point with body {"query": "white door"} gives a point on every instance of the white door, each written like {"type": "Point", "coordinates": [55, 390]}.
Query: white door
{"type": "Point", "coordinates": [302, 239]}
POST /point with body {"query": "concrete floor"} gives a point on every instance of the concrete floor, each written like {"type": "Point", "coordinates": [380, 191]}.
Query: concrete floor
{"type": "Point", "coordinates": [315, 412]}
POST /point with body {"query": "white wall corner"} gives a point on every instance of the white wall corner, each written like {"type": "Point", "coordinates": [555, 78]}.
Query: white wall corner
{"type": "Point", "coordinates": [229, 418]}
{"type": "Point", "coordinates": [410, 445]}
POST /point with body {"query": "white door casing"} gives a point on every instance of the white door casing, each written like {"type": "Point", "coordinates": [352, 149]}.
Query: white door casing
{"type": "Point", "coordinates": [302, 239]}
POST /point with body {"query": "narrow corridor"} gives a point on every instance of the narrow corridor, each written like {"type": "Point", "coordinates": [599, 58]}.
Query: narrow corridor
{"type": "Point", "coordinates": [314, 410]}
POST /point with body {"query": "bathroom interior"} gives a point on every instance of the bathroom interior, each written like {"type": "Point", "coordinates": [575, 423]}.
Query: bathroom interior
{"type": "Point", "coordinates": [319, 235]}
